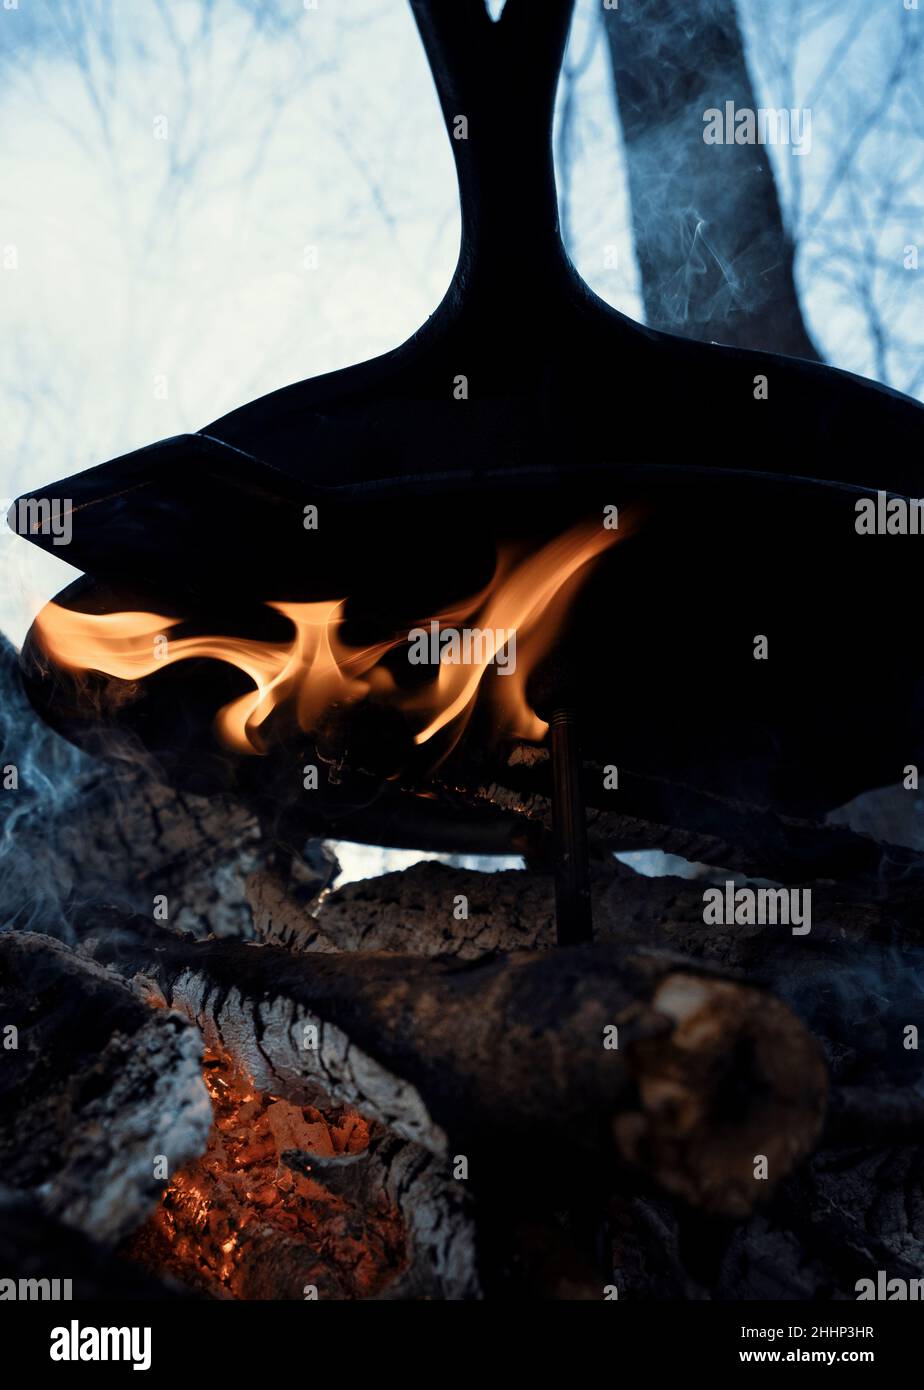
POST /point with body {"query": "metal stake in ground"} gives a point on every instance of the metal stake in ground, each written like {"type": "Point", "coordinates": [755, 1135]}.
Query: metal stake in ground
{"type": "Point", "coordinates": [569, 824]}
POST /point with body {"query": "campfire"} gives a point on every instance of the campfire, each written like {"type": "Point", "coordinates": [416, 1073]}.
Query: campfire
{"type": "Point", "coordinates": [519, 629]}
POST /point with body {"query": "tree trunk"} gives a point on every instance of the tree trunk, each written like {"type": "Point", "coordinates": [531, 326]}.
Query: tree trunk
{"type": "Point", "coordinates": [716, 261]}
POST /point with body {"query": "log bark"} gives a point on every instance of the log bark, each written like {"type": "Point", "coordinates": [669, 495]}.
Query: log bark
{"type": "Point", "coordinates": [850, 980]}
{"type": "Point", "coordinates": [496, 1058]}
{"type": "Point", "coordinates": [414, 911]}
{"type": "Point", "coordinates": [94, 1087]}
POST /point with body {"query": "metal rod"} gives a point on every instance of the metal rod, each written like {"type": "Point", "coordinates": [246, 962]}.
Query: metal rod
{"type": "Point", "coordinates": [569, 826]}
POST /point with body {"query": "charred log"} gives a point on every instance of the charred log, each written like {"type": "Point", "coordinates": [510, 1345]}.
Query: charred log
{"type": "Point", "coordinates": [489, 1058]}
{"type": "Point", "coordinates": [437, 1216]}
{"type": "Point", "coordinates": [291, 1201]}
{"type": "Point", "coordinates": [413, 911]}
{"type": "Point", "coordinates": [95, 1088]}
{"type": "Point", "coordinates": [853, 980]}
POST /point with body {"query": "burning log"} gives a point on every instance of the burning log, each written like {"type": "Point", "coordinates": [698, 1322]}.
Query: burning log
{"type": "Point", "coordinates": [489, 1059]}
{"type": "Point", "coordinates": [249, 1201]}
{"type": "Point", "coordinates": [288, 1202]}
{"type": "Point", "coordinates": [97, 1092]}
{"type": "Point", "coordinates": [436, 1213]}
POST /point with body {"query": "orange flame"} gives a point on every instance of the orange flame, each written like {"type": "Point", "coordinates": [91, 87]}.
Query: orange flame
{"type": "Point", "coordinates": [316, 670]}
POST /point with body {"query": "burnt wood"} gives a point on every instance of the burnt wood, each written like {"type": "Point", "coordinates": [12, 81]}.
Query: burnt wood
{"type": "Point", "coordinates": [496, 1058]}
{"type": "Point", "coordinates": [854, 980]}
{"type": "Point", "coordinates": [98, 1086]}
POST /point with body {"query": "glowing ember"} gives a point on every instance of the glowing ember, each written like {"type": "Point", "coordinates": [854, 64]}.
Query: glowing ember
{"type": "Point", "coordinates": [239, 1223]}
{"type": "Point", "coordinates": [509, 627]}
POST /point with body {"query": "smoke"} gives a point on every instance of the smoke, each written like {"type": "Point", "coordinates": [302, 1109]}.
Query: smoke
{"type": "Point", "coordinates": [860, 1000]}
{"type": "Point", "coordinates": [43, 779]}
{"type": "Point", "coordinates": [78, 831]}
{"type": "Point", "coordinates": [715, 258]}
